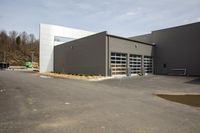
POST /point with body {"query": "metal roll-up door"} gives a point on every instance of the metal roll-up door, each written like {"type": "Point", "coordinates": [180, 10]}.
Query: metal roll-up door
{"type": "Point", "coordinates": [148, 64]}
{"type": "Point", "coordinates": [118, 63]}
{"type": "Point", "coordinates": [135, 62]}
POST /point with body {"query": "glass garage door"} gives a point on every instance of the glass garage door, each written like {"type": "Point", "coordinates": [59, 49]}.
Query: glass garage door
{"type": "Point", "coordinates": [148, 64]}
{"type": "Point", "coordinates": [118, 63]}
{"type": "Point", "coordinates": [135, 62]}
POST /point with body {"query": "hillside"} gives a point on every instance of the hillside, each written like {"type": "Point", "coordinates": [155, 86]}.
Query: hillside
{"type": "Point", "coordinates": [18, 48]}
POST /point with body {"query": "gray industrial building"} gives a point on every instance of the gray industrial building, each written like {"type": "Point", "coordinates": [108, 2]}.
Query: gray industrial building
{"type": "Point", "coordinates": [177, 49]}
{"type": "Point", "coordinates": [173, 51]}
{"type": "Point", "coordinates": [103, 54]}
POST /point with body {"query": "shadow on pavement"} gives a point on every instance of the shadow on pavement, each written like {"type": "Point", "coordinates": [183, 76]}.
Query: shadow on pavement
{"type": "Point", "coordinates": [194, 81]}
{"type": "Point", "coordinates": [192, 100]}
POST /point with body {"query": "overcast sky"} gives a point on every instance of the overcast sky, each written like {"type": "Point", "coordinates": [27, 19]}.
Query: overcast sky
{"type": "Point", "coordinates": [120, 17]}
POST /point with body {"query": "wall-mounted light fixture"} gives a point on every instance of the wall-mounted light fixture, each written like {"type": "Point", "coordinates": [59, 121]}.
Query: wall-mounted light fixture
{"type": "Point", "coordinates": [136, 46]}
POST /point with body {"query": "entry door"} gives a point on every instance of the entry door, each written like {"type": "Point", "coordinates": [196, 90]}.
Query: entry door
{"type": "Point", "coordinates": [118, 63]}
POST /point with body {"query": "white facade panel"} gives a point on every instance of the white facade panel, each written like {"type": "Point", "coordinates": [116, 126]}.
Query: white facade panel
{"type": "Point", "coordinates": [47, 34]}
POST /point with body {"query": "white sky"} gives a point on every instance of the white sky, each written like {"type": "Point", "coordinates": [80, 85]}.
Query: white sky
{"type": "Point", "coordinates": [120, 17]}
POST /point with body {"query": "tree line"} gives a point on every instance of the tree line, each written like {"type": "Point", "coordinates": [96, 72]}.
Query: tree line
{"type": "Point", "coordinates": [16, 48]}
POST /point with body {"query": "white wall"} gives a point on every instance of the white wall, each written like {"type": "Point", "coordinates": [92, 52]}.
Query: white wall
{"type": "Point", "coordinates": [47, 33]}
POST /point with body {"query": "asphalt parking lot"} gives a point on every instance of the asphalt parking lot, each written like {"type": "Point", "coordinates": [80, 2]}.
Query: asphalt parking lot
{"type": "Point", "coordinates": [33, 104]}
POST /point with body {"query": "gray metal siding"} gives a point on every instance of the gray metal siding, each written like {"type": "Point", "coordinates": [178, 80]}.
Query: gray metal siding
{"type": "Point", "coordinates": [117, 45]}
{"type": "Point", "coordinates": [144, 38]}
{"type": "Point", "coordinates": [83, 56]}
{"type": "Point", "coordinates": [125, 46]}
{"type": "Point", "coordinates": [178, 47]}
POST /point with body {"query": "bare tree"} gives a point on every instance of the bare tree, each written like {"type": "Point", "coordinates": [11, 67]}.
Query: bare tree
{"type": "Point", "coordinates": [4, 40]}
{"type": "Point", "coordinates": [13, 36]}
{"type": "Point", "coordinates": [24, 38]}
{"type": "Point", "coordinates": [18, 47]}
{"type": "Point", "coordinates": [32, 38]}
